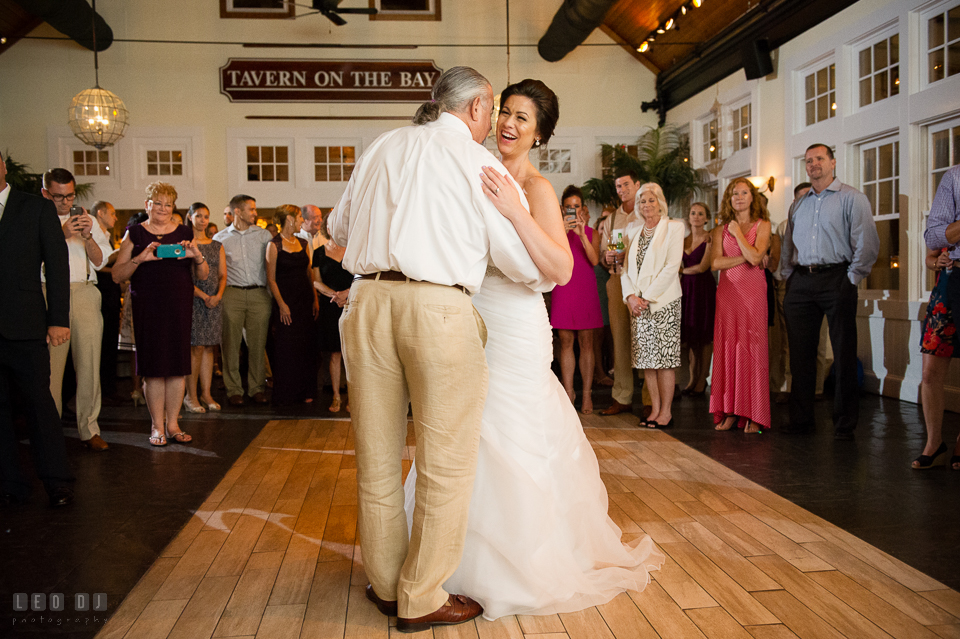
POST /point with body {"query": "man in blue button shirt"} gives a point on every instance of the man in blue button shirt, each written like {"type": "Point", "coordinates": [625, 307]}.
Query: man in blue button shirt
{"type": "Point", "coordinates": [829, 246]}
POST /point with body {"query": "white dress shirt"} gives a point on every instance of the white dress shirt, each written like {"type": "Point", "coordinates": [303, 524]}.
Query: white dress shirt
{"type": "Point", "coordinates": [414, 204]}
{"type": "Point", "coordinates": [81, 268]}
{"type": "Point", "coordinates": [622, 222]}
{"type": "Point", "coordinates": [4, 194]}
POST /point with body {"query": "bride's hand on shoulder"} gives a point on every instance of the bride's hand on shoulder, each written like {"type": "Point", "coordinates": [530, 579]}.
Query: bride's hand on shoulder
{"type": "Point", "coordinates": [502, 193]}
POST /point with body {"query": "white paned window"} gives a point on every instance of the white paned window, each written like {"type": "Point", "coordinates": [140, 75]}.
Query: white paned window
{"type": "Point", "coordinates": [606, 157]}
{"type": "Point", "coordinates": [555, 160]}
{"type": "Point", "coordinates": [91, 162]}
{"type": "Point", "coordinates": [268, 164]}
{"type": "Point", "coordinates": [944, 152]}
{"type": "Point", "coordinates": [333, 163]}
{"type": "Point", "coordinates": [880, 182]}
{"type": "Point", "coordinates": [742, 134]}
{"type": "Point", "coordinates": [879, 70]}
{"type": "Point", "coordinates": [711, 140]}
{"type": "Point", "coordinates": [820, 94]}
{"type": "Point", "coordinates": [164, 163]}
{"type": "Point", "coordinates": [943, 45]}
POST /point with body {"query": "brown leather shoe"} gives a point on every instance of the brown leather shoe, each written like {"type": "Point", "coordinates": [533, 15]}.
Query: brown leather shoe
{"type": "Point", "coordinates": [616, 409]}
{"type": "Point", "coordinates": [260, 398]}
{"type": "Point", "coordinates": [389, 608]}
{"type": "Point", "coordinates": [235, 400]}
{"type": "Point", "coordinates": [458, 609]}
{"type": "Point", "coordinates": [96, 443]}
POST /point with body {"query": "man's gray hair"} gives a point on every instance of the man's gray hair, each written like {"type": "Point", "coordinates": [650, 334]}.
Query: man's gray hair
{"type": "Point", "coordinates": [454, 92]}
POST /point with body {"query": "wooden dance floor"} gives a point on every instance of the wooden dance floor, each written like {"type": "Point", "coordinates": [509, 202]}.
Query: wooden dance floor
{"type": "Point", "coordinates": [272, 554]}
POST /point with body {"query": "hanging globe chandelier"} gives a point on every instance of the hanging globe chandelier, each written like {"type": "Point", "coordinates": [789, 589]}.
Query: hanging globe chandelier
{"type": "Point", "coordinates": [96, 116]}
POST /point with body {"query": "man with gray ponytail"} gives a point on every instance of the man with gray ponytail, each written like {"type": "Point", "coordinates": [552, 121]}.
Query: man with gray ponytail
{"type": "Point", "coordinates": [419, 234]}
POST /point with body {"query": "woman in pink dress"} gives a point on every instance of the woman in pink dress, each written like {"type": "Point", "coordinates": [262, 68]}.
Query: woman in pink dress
{"type": "Point", "coordinates": [575, 306]}
{"type": "Point", "coordinates": [740, 384]}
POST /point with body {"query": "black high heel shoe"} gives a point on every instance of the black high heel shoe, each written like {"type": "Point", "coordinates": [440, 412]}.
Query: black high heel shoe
{"type": "Point", "coordinates": [939, 458]}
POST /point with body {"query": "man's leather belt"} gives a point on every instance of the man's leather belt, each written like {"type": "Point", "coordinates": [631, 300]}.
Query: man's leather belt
{"type": "Point", "coordinates": [246, 288]}
{"type": "Point", "coordinates": [822, 268]}
{"type": "Point", "coordinates": [395, 276]}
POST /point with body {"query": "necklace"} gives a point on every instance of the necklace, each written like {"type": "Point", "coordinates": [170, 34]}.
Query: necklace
{"type": "Point", "coordinates": [648, 232]}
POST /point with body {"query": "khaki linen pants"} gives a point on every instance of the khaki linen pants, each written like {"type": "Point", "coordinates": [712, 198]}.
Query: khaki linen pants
{"type": "Point", "coordinates": [86, 334]}
{"type": "Point", "coordinates": [620, 328]}
{"type": "Point", "coordinates": [245, 310]}
{"type": "Point", "coordinates": [417, 343]}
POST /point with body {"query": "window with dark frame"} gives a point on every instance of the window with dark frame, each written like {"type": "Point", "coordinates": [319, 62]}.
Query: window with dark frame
{"type": "Point", "coordinates": [257, 9]}
{"type": "Point", "coordinates": [406, 9]}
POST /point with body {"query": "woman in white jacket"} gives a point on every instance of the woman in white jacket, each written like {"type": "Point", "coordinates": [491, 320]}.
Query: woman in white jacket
{"type": "Point", "coordinates": [651, 289]}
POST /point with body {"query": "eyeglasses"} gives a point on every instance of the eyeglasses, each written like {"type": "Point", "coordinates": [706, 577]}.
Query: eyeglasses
{"type": "Point", "coordinates": [69, 197]}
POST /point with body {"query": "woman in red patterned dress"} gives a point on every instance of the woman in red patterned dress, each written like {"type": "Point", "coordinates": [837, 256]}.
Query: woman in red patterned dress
{"type": "Point", "coordinates": [740, 384]}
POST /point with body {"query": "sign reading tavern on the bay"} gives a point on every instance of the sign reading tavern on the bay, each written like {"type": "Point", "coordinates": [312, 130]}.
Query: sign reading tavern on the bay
{"type": "Point", "coordinates": [262, 80]}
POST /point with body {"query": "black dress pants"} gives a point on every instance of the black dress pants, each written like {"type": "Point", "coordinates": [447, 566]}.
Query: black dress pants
{"type": "Point", "coordinates": [808, 298]}
{"type": "Point", "coordinates": [25, 376]}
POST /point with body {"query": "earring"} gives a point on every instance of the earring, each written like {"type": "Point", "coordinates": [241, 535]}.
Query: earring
{"type": "Point", "coordinates": [536, 142]}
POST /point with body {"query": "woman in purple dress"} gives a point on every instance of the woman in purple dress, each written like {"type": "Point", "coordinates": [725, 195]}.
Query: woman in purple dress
{"type": "Point", "coordinates": [699, 298]}
{"type": "Point", "coordinates": [162, 298]}
{"type": "Point", "coordinates": [575, 306]}
{"type": "Point", "coordinates": [293, 324]}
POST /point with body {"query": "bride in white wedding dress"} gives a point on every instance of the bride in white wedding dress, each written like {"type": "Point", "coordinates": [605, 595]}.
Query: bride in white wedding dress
{"type": "Point", "coordinates": [539, 540]}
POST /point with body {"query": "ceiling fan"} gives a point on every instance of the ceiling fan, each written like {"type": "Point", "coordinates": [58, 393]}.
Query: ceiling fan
{"type": "Point", "coordinates": [331, 10]}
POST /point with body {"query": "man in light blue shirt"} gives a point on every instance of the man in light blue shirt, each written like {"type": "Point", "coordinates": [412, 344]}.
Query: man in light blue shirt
{"type": "Point", "coordinates": [829, 246]}
{"type": "Point", "coordinates": [246, 301]}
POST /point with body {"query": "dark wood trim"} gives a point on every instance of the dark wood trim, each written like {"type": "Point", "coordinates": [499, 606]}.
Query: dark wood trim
{"type": "Point", "coordinates": [374, 118]}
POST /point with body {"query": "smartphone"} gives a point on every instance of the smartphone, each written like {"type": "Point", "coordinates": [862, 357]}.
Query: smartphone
{"type": "Point", "coordinates": [570, 216]}
{"type": "Point", "coordinates": [76, 210]}
{"type": "Point", "coordinates": [170, 250]}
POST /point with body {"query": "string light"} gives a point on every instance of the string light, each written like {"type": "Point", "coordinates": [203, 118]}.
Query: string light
{"type": "Point", "coordinates": [644, 47]}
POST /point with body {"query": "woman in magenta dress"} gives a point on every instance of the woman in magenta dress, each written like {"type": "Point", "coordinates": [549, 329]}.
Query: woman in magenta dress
{"type": "Point", "coordinates": [699, 298]}
{"type": "Point", "coordinates": [162, 299]}
{"type": "Point", "coordinates": [575, 307]}
{"type": "Point", "coordinates": [740, 387]}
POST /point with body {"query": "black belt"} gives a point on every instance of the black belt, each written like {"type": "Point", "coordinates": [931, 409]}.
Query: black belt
{"type": "Point", "coordinates": [397, 276]}
{"type": "Point", "coordinates": [245, 288]}
{"type": "Point", "coordinates": [822, 268]}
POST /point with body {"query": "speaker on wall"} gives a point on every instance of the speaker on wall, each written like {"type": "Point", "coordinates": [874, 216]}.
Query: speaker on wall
{"type": "Point", "coordinates": [756, 59]}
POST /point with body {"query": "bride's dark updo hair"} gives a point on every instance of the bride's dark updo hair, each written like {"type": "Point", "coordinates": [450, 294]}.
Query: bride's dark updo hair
{"type": "Point", "coordinates": [548, 107]}
{"type": "Point", "coordinates": [454, 91]}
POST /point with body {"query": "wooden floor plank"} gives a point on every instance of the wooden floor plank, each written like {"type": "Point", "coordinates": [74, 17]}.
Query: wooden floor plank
{"type": "Point", "coordinates": [236, 549]}
{"type": "Point", "coordinates": [891, 620]}
{"type": "Point", "coordinates": [947, 599]}
{"type": "Point", "coordinates": [191, 568]}
{"type": "Point", "coordinates": [585, 624]}
{"type": "Point", "coordinates": [199, 618]}
{"type": "Point", "coordinates": [777, 542]}
{"type": "Point", "coordinates": [540, 624]}
{"type": "Point", "coordinates": [733, 536]}
{"type": "Point", "coordinates": [655, 500]}
{"type": "Point", "coordinates": [716, 623]}
{"type": "Point", "coordinates": [502, 628]}
{"type": "Point", "coordinates": [681, 587]}
{"type": "Point", "coordinates": [770, 632]}
{"type": "Point", "coordinates": [663, 614]}
{"type": "Point", "coordinates": [157, 619]}
{"type": "Point", "coordinates": [243, 611]}
{"type": "Point", "coordinates": [625, 620]}
{"type": "Point", "coordinates": [737, 601]}
{"type": "Point", "coordinates": [281, 622]}
{"type": "Point", "coordinates": [138, 599]}
{"type": "Point", "coordinates": [340, 534]}
{"type": "Point", "coordinates": [947, 632]}
{"type": "Point", "coordinates": [296, 572]}
{"type": "Point", "coordinates": [802, 621]}
{"type": "Point", "coordinates": [326, 614]}
{"type": "Point", "coordinates": [883, 585]}
{"type": "Point", "coordinates": [365, 620]}
{"type": "Point", "coordinates": [828, 606]}
{"type": "Point", "coordinates": [730, 561]}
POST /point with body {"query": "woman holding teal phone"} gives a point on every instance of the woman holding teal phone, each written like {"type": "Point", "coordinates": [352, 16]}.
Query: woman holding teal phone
{"type": "Point", "coordinates": [161, 259]}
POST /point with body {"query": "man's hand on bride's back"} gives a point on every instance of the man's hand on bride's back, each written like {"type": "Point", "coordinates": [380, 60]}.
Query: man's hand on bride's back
{"type": "Point", "coordinates": [502, 193]}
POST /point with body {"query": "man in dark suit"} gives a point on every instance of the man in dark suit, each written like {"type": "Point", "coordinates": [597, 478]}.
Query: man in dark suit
{"type": "Point", "coordinates": [30, 236]}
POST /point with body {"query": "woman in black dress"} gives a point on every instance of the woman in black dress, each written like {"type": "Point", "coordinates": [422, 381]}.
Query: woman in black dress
{"type": "Point", "coordinates": [295, 306]}
{"type": "Point", "coordinates": [162, 299]}
{"type": "Point", "coordinates": [334, 282]}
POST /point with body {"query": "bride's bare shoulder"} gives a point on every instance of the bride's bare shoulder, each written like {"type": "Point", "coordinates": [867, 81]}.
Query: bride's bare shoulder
{"type": "Point", "coordinates": [538, 186]}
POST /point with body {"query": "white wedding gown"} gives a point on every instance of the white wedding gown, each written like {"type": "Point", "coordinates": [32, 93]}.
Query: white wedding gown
{"type": "Point", "coordinates": [539, 540]}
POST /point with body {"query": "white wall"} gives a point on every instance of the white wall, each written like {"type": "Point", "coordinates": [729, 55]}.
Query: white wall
{"type": "Point", "coordinates": [172, 91]}
{"type": "Point", "coordinates": [889, 320]}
